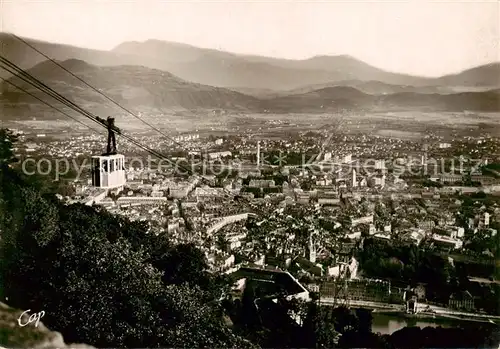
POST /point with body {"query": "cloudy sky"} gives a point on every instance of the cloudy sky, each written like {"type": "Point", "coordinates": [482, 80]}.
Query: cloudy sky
{"type": "Point", "coordinates": [415, 36]}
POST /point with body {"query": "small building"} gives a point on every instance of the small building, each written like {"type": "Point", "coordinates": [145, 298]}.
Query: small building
{"type": "Point", "coordinates": [219, 155]}
{"type": "Point", "coordinates": [462, 301]}
{"type": "Point", "coordinates": [328, 199]}
{"type": "Point", "coordinates": [446, 242]}
{"type": "Point", "coordinates": [415, 236]}
{"type": "Point", "coordinates": [411, 305]}
{"type": "Point", "coordinates": [382, 236]}
{"type": "Point", "coordinates": [302, 197]}
{"type": "Point", "coordinates": [362, 220]}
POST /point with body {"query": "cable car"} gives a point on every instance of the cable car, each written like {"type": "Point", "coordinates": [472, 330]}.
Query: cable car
{"type": "Point", "coordinates": [108, 169]}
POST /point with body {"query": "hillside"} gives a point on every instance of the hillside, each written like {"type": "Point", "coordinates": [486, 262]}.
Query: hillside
{"type": "Point", "coordinates": [488, 101]}
{"type": "Point", "coordinates": [99, 278]}
{"type": "Point", "coordinates": [136, 87]}
{"type": "Point", "coordinates": [327, 99]}
{"type": "Point", "coordinates": [369, 87]}
{"type": "Point", "coordinates": [27, 58]}
{"type": "Point", "coordinates": [486, 75]}
{"type": "Point", "coordinates": [374, 87]}
{"type": "Point", "coordinates": [348, 98]}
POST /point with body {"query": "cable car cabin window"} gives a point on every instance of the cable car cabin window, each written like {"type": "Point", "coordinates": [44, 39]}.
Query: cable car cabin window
{"type": "Point", "coordinates": [112, 165]}
{"type": "Point", "coordinates": [105, 165]}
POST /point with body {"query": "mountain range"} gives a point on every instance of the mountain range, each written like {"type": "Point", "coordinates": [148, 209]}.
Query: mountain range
{"type": "Point", "coordinates": [160, 75]}
{"type": "Point", "coordinates": [131, 86]}
{"type": "Point", "coordinates": [142, 88]}
{"type": "Point", "coordinates": [224, 69]}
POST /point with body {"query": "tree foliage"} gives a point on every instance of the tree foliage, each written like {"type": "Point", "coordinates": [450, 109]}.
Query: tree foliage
{"type": "Point", "coordinates": [404, 262]}
{"type": "Point", "coordinates": [102, 279]}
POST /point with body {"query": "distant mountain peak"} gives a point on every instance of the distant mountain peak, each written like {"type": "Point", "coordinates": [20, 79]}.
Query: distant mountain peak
{"type": "Point", "coordinates": [329, 58]}
{"type": "Point", "coordinates": [167, 42]}
{"type": "Point", "coordinates": [73, 64]}
{"type": "Point", "coordinates": [341, 91]}
{"type": "Point", "coordinates": [318, 57]}
{"type": "Point", "coordinates": [156, 46]}
{"type": "Point", "coordinates": [483, 75]}
{"type": "Point", "coordinates": [152, 42]}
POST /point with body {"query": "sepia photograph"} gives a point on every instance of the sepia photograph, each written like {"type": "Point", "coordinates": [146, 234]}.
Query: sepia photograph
{"type": "Point", "coordinates": [249, 174]}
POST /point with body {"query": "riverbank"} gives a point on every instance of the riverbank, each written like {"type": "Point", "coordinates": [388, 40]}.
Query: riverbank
{"type": "Point", "coordinates": [437, 316]}
{"type": "Point", "coordinates": [390, 322]}
{"type": "Point", "coordinates": [425, 311]}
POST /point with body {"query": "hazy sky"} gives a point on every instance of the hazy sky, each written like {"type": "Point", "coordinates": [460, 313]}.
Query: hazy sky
{"type": "Point", "coordinates": [419, 37]}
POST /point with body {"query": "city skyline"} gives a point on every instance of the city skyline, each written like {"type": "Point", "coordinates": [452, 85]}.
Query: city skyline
{"type": "Point", "coordinates": [417, 38]}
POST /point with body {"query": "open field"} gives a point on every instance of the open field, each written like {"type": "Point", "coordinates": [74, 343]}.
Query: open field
{"type": "Point", "coordinates": [405, 125]}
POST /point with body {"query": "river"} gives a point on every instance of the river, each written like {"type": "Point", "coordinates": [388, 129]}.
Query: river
{"type": "Point", "coordinates": [389, 323]}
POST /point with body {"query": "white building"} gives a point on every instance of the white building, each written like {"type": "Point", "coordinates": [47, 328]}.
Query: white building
{"type": "Point", "coordinates": [235, 239]}
{"type": "Point", "coordinates": [380, 164]}
{"type": "Point", "coordinates": [415, 236]}
{"type": "Point", "coordinates": [447, 241]}
{"type": "Point", "coordinates": [444, 145]}
{"type": "Point", "coordinates": [372, 230]}
{"type": "Point", "coordinates": [354, 236]}
{"type": "Point", "coordinates": [365, 220]}
{"type": "Point", "coordinates": [218, 155]}
{"type": "Point", "coordinates": [141, 200]}
{"type": "Point", "coordinates": [485, 219]}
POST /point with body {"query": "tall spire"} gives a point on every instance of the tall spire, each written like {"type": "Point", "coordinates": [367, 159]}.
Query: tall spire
{"type": "Point", "coordinates": [312, 249]}
{"type": "Point", "coordinates": [258, 154]}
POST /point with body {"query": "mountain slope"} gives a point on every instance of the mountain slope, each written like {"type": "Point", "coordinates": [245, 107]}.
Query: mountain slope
{"type": "Point", "coordinates": [374, 87]}
{"type": "Point", "coordinates": [485, 75]}
{"type": "Point", "coordinates": [341, 98]}
{"type": "Point", "coordinates": [225, 69]}
{"type": "Point", "coordinates": [138, 88]}
{"type": "Point", "coordinates": [488, 101]}
{"type": "Point", "coordinates": [26, 58]}
{"type": "Point", "coordinates": [327, 99]}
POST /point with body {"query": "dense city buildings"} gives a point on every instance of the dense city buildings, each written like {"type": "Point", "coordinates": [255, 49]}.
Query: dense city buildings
{"type": "Point", "coordinates": [267, 203]}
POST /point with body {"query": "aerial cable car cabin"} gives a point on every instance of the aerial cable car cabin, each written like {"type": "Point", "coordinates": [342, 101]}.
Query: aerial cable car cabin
{"type": "Point", "coordinates": [108, 169]}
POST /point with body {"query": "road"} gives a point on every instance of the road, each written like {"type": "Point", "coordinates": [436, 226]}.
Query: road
{"type": "Point", "coordinates": [422, 308]}
{"type": "Point", "coordinates": [366, 304]}
{"type": "Point", "coordinates": [440, 311]}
